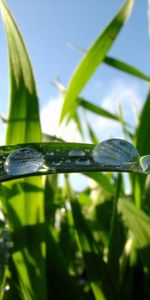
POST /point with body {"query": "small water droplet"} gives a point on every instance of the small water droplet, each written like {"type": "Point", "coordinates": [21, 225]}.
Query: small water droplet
{"type": "Point", "coordinates": [145, 163]}
{"type": "Point", "coordinates": [57, 163]}
{"type": "Point", "coordinates": [23, 161]}
{"type": "Point", "coordinates": [49, 154]}
{"type": "Point", "coordinates": [85, 162]}
{"type": "Point", "coordinates": [68, 161]}
{"type": "Point", "coordinates": [115, 152]}
{"type": "Point", "coordinates": [76, 153]}
{"type": "Point", "coordinates": [10, 244]}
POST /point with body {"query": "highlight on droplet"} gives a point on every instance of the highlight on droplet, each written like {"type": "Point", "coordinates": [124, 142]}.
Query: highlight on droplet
{"type": "Point", "coordinates": [23, 161]}
{"type": "Point", "coordinates": [114, 152]}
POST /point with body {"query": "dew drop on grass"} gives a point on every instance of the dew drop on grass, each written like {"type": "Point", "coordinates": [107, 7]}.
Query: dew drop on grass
{"type": "Point", "coordinates": [80, 162]}
{"type": "Point", "coordinates": [23, 161]}
{"type": "Point", "coordinates": [115, 152]}
{"type": "Point", "coordinates": [145, 163]}
{"type": "Point", "coordinates": [77, 153]}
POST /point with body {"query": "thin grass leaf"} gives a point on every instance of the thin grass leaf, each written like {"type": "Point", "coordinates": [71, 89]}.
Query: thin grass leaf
{"type": "Point", "coordinates": [142, 133]}
{"type": "Point", "coordinates": [124, 67]}
{"type": "Point", "coordinates": [92, 134]}
{"type": "Point", "coordinates": [24, 198]}
{"type": "Point", "coordinates": [97, 109]}
{"type": "Point", "coordinates": [115, 241]}
{"type": "Point", "coordinates": [94, 57]}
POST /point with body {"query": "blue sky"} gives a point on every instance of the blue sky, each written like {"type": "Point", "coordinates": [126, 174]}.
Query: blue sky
{"type": "Point", "coordinates": [48, 26]}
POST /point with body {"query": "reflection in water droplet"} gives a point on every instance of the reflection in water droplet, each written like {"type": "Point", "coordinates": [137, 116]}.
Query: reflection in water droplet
{"type": "Point", "coordinates": [23, 161]}
{"type": "Point", "coordinates": [76, 153]}
{"type": "Point", "coordinates": [85, 162]}
{"type": "Point", "coordinates": [115, 152]}
{"type": "Point", "coordinates": [145, 163]}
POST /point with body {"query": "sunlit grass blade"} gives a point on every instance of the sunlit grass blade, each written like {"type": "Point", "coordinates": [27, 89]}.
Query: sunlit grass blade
{"type": "Point", "coordinates": [23, 112]}
{"type": "Point", "coordinates": [24, 199]}
{"type": "Point", "coordinates": [94, 57]}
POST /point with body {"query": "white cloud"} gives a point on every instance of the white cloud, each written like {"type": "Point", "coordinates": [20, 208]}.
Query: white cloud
{"type": "Point", "coordinates": [50, 115]}
{"type": "Point", "coordinates": [119, 94]}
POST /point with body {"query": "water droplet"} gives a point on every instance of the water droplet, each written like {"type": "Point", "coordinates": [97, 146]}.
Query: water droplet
{"type": "Point", "coordinates": [145, 163]}
{"type": "Point", "coordinates": [115, 152]}
{"type": "Point", "coordinates": [10, 244]}
{"type": "Point", "coordinates": [57, 163]}
{"type": "Point", "coordinates": [76, 153]}
{"type": "Point", "coordinates": [68, 161]}
{"type": "Point", "coordinates": [49, 154]}
{"type": "Point", "coordinates": [85, 162]}
{"type": "Point", "coordinates": [23, 161]}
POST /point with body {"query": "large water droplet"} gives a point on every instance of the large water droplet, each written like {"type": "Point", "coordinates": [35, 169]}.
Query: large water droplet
{"type": "Point", "coordinates": [23, 161]}
{"type": "Point", "coordinates": [115, 152]}
{"type": "Point", "coordinates": [76, 153]}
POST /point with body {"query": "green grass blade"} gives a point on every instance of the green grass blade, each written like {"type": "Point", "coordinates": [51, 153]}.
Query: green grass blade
{"type": "Point", "coordinates": [34, 159]}
{"type": "Point", "coordinates": [139, 226]}
{"type": "Point", "coordinates": [119, 65]}
{"type": "Point", "coordinates": [24, 198]}
{"type": "Point", "coordinates": [115, 241]}
{"type": "Point", "coordinates": [143, 142]}
{"type": "Point", "coordinates": [100, 280]}
{"type": "Point", "coordinates": [96, 109]}
{"type": "Point", "coordinates": [124, 67]}
{"type": "Point", "coordinates": [94, 57]}
{"type": "Point", "coordinates": [23, 113]}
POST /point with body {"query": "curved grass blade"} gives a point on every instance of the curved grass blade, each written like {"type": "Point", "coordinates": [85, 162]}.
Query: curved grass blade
{"type": "Point", "coordinates": [94, 57]}
{"type": "Point", "coordinates": [23, 113]}
{"type": "Point", "coordinates": [23, 126]}
{"type": "Point", "coordinates": [48, 158]}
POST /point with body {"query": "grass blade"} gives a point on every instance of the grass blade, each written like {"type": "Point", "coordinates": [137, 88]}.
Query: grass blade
{"type": "Point", "coordinates": [96, 109]}
{"type": "Point", "coordinates": [124, 67]}
{"type": "Point", "coordinates": [143, 143]}
{"type": "Point", "coordinates": [24, 198]}
{"type": "Point", "coordinates": [94, 57]}
{"type": "Point", "coordinates": [139, 226]}
{"type": "Point", "coordinates": [119, 65]}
